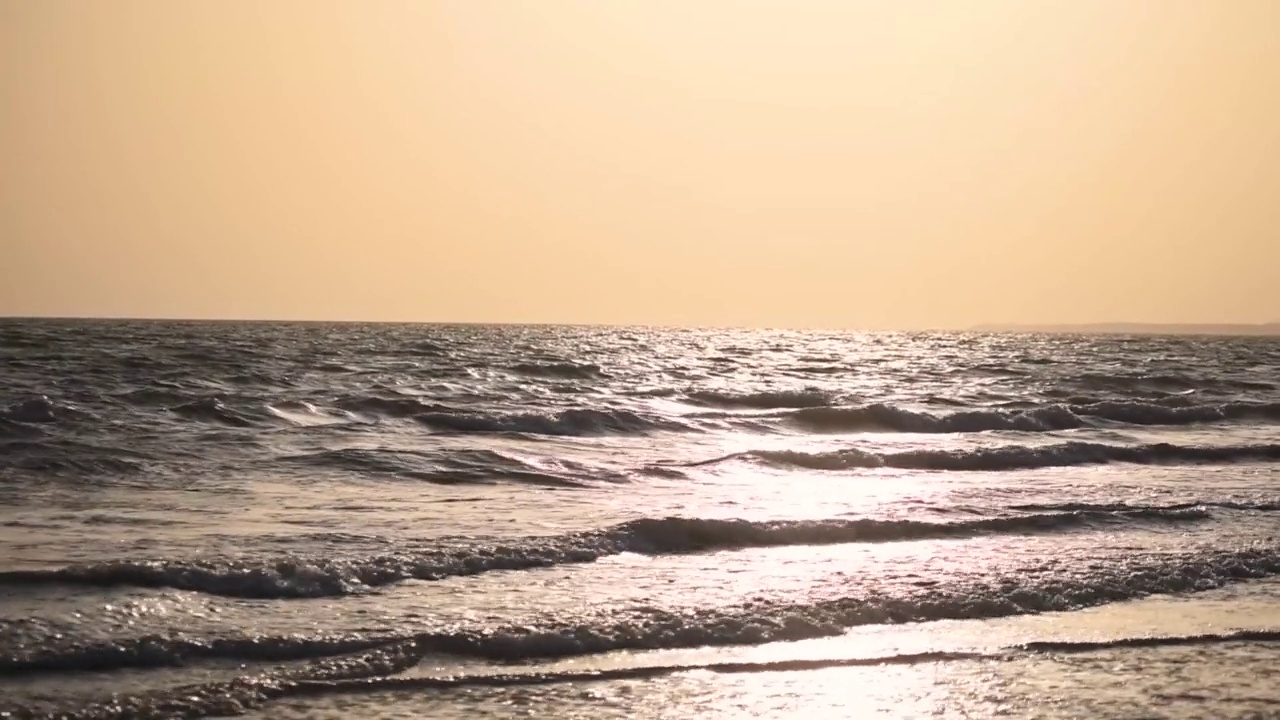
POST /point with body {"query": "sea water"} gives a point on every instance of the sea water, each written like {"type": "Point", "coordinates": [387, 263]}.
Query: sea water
{"type": "Point", "coordinates": [380, 521]}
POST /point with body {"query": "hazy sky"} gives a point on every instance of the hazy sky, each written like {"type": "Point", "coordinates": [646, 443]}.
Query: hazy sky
{"type": "Point", "coordinates": [896, 163]}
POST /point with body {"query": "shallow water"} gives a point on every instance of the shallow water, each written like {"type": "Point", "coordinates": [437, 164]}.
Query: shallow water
{"type": "Point", "coordinates": [311, 520]}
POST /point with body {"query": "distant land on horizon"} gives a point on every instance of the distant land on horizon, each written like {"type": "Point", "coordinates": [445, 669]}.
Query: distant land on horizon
{"type": "Point", "coordinates": [1136, 328]}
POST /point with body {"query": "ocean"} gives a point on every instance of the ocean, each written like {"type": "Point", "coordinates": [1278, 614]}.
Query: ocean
{"type": "Point", "coordinates": [307, 520]}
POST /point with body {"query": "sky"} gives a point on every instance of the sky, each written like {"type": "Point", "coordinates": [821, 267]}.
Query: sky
{"type": "Point", "coordinates": [829, 163]}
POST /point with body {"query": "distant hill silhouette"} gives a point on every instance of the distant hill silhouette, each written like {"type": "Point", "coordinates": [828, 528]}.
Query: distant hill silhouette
{"type": "Point", "coordinates": [1272, 328]}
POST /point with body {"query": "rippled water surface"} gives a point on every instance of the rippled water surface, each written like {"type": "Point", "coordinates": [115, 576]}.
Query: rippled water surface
{"type": "Point", "coordinates": [312, 520]}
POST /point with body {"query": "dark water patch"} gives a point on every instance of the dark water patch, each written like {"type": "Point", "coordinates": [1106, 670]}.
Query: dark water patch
{"type": "Point", "coordinates": [155, 396]}
{"type": "Point", "coordinates": [37, 410]}
{"type": "Point", "coordinates": [10, 430]}
{"type": "Point", "coordinates": [68, 458]}
{"type": "Point", "coordinates": [559, 370]}
{"type": "Point", "coordinates": [162, 651]}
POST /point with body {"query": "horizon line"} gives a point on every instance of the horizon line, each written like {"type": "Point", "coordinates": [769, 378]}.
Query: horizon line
{"type": "Point", "coordinates": [1103, 327]}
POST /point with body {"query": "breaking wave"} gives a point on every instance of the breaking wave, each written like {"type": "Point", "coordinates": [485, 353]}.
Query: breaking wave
{"type": "Point", "coordinates": [313, 576]}
{"type": "Point", "coordinates": [779, 621]}
{"type": "Point", "coordinates": [748, 624]}
{"type": "Point", "coordinates": [575, 422]}
{"type": "Point", "coordinates": [354, 665]}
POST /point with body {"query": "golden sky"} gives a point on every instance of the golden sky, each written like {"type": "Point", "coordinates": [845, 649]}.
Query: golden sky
{"type": "Point", "coordinates": [840, 163]}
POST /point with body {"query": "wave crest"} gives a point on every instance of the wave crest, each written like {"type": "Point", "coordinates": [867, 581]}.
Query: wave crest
{"type": "Point", "coordinates": [211, 410]}
{"type": "Point", "coordinates": [302, 577]}
{"type": "Point", "coordinates": [575, 422]}
{"type": "Point", "coordinates": [355, 665]}
{"type": "Point", "coordinates": [1048, 418]}
{"type": "Point", "coordinates": [882, 418]}
{"type": "Point", "coordinates": [771, 400]}
{"type": "Point", "coordinates": [453, 467]}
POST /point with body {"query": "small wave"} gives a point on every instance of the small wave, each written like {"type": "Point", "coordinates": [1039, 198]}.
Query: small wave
{"type": "Point", "coordinates": [664, 471]}
{"type": "Point", "coordinates": [392, 407]}
{"type": "Point", "coordinates": [75, 467]}
{"type": "Point", "coordinates": [68, 458]}
{"type": "Point", "coordinates": [402, 651]}
{"type": "Point", "coordinates": [427, 348]}
{"type": "Point", "coordinates": [642, 672]}
{"type": "Point", "coordinates": [153, 395]}
{"type": "Point", "coordinates": [560, 370]}
{"type": "Point", "coordinates": [807, 398]}
{"type": "Point", "coordinates": [1064, 647]}
{"type": "Point", "coordinates": [456, 467]}
{"type": "Point", "coordinates": [1010, 457]}
{"type": "Point", "coordinates": [770, 622]}
{"type": "Point", "coordinates": [574, 422]}
{"type": "Point", "coordinates": [234, 697]}
{"type": "Point", "coordinates": [887, 418]}
{"type": "Point", "coordinates": [1122, 507]}
{"type": "Point", "coordinates": [381, 667]}
{"type": "Point", "coordinates": [1137, 413]}
{"type": "Point", "coordinates": [1250, 384]}
{"type": "Point", "coordinates": [791, 665]}
{"type": "Point", "coordinates": [1152, 386]}
{"type": "Point", "coordinates": [652, 392]}
{"type": "Point", "coordinates": [301, 577]}
{"type": "Point", "coordinates": [161, 651]}
{"type": "Point", "coordinates": [1139, 384]}
{"type": "Point", "coordinates": [367, 665]}
{"type": "Point", "coordinates": [304, 414]}
{"type": "Point", "coordinates": [211, 410]}
{"type": "Point", "coordinates": [682, 535]}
